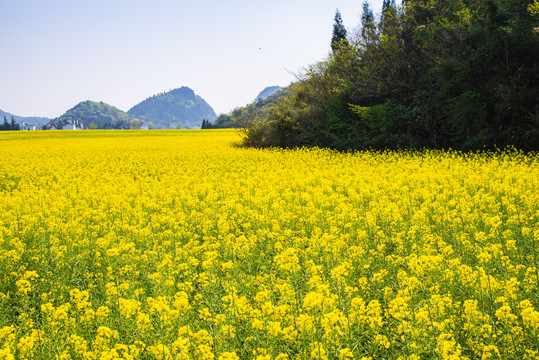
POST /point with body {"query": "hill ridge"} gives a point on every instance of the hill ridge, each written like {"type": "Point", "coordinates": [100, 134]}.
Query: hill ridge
{"type": "Point", "coordinates": [99, 115]}
{"type": "Point", "coordinates": [180, 107]}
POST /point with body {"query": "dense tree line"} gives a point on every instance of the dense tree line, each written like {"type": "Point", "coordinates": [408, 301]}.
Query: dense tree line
{"type": "Point", "coordinates": [459, 74]}
{"type": "Point", "coordinates": [6, 125]}
{"type": "Point", "coordinates": [241, 116]}
{"type": "Point", "coordinates": [223, 121]}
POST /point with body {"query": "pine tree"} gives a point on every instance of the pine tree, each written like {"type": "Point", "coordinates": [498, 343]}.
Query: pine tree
{"type": "Point", "coordinates": [368, 28]}
{"type": "Point", "coordinates": [339, 33]}
{"type": "Point", "coordinates": [14, 125]}
{"type": "Point", "coordinates": [5, 125]}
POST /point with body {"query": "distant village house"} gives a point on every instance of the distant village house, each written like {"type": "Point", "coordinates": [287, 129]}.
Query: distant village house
{"type": "Point", "coordinates": [72, 126]}
{"type": "Point", "coordinates": [27, 126]}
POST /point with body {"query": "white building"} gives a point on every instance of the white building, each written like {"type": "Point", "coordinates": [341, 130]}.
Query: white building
{"type": "Point", "coordinates": [27, 126]}
{"type": "Point", "coordinates": [72, 126]}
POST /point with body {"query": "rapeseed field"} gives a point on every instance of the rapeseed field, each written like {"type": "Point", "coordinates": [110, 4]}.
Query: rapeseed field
{"type": "Point", "coordinates": [179, 245]}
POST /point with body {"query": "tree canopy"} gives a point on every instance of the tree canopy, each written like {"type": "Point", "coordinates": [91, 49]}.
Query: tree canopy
{"type": "Point", "coordinates": [97, 115]}
{"type": "Point", "coordinates": [177, 108]}
{"type": "Point", "coordinates": [338, 38]}
{"type": "Point", "coordinates": [241, 116]}
{"type": "Point", "coordinates": [6, 125]}
{"type": "Point", "coordinates": [437, 74]}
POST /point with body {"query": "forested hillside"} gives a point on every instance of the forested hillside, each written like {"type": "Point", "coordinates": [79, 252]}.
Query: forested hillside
{"type": "Point", "coordinates": [96, 115]}
{"type": "Point", "coordinates": [178, 108]}
{"type": "Point", "coordinates": [268, 91]}
{"type": "Point", "coordinates": [241, 117]}
{"type": "Point", "coordinates": [436, 74]}
{"type": "Point", "coordinates": [28, 119]}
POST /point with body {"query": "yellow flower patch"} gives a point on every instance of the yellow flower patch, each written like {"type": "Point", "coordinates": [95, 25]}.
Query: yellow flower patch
{"type": "Point", "coordinates": [180, 245]}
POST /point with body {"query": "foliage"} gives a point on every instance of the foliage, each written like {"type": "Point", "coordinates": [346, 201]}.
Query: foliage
{"type": "Point", "coordinates": [533, 8]}
{"type": "Point", "coordinates": [178, 107]}
{"type": "Point", "coordinates": [176, 245]}
{"type": "Point", "coordinates": [268, 91]}
{"type": "Point", "coordinates": [28, 119]}
{"type": "Point", "coordinates": [338, 38]}
{"type": "Point", "coordinates": [13, 125]}
{"type": "Point", "coordinates": [239, 117]}
{"type": "Point", "coordinates": [206, 124]}
{"type": "Point", "coordinates": [435, 74]}
{"type": "Point", "coordinates": [90, 114]}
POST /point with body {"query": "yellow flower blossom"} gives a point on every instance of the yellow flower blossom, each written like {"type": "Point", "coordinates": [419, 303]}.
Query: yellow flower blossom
{"type": "Point", "coordinates": [180, 245]}
{"type": "Point", "coordinates": [228, 356]}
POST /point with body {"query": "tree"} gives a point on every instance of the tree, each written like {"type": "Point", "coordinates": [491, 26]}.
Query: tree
{"type": "Point", "coordinates": [436, 74]}
{"type": "Point", "coordinates": [14, 124]}
{"type": "Point", "coordinates": [389, 12]}
{"type": "Point", "coordinates": [206, 124]}
{"type": "Point", "coordinates": [387, 5]}
{"type": "Point", "coordinates": [338, 38]}
{"type": "Point", "coordinates": [5, 125]}
{"type": "Point", "coordinates": [368, 27]}
{"type": "Point", "coordinates": [533, 9]}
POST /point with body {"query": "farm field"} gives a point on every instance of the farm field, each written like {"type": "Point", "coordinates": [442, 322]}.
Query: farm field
{"type": "Point", "coordinates": [178, 245]}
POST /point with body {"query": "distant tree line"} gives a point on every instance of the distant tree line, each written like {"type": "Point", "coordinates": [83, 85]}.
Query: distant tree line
{"type": "Point", "coordinates": [6, 125]}
{"type": "Point", "coordinates": [461, 74]}
{"type": "Point", "coordinates": [241, 116]}
{"type": "Point", "coordinates": [225, 121]}
{"type": "Point", "coordinates": [207, 124]}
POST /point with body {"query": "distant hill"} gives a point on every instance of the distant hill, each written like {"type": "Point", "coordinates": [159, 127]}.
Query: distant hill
{"type": "Point", "coordinates": [238, 117]}
{"type": "Point", "coordinates": [97, 115]}
{"type": "Point", "coordinates": [27, 119]}
{"type": "Point", "coordinates": [176, 108]}
{"type": "Point", "coordinates": [270, 90]}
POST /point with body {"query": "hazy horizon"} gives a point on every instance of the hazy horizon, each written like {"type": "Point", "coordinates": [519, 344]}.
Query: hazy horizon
{"type": "Point", "coordinates": [59, 53]}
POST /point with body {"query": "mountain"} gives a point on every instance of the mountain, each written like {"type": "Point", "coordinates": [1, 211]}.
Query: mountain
{"type": "Point", "coordinates": [176, 108]}
{"type": "Point", "coordinates": [270, 90]}
{"type": "Point", "coordinates": [261, 106]}
{"type": "Point", "coordinates": [97, 115]}
{"type": "Point", "coordinates": [26, 119]}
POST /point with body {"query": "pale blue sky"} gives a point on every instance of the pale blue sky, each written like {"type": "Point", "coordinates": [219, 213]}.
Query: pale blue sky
{"type": "Point", "coordinates": [56, 53]}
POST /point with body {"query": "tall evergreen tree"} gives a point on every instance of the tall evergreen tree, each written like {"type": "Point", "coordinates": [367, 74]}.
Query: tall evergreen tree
{"type": "Point", "coordinates": [339, 33]}
{"type": "Point", "coordinates": [5, 125]}
{"type": "Point", "coordinates": [14, 125]}
{"type": "Point", "coordinates": [368, 27]}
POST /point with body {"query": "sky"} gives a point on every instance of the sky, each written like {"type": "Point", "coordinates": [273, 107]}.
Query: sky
{"type": "Point", "coordinates": [57, 53]}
